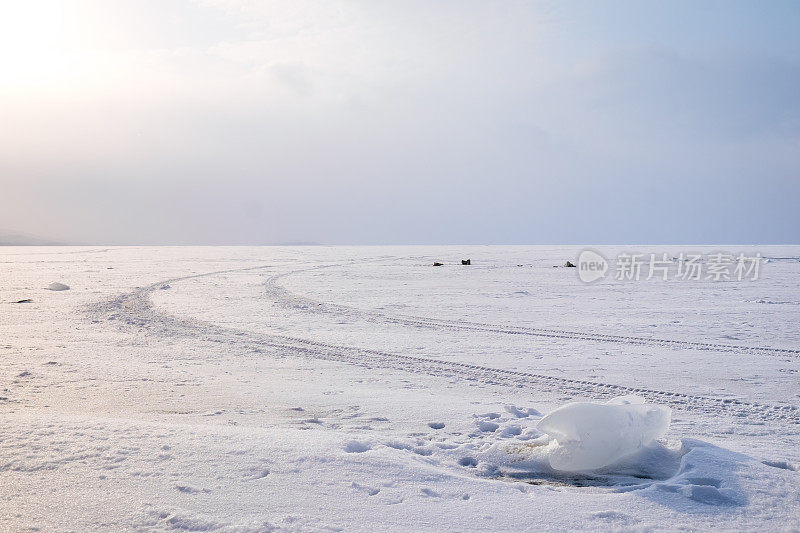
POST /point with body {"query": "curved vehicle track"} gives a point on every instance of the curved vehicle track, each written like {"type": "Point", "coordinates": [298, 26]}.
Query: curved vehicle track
{"type": "Point", "coordinates": [135, 309]}
{"type": "Point", "coordinates": [286, 298]}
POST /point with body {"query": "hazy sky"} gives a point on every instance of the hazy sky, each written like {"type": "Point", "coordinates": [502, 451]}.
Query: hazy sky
{"type": "Point", "coordinates": [370, 122]}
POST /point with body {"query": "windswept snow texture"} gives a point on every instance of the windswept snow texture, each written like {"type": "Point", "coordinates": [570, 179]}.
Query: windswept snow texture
{"type": "Point", "coordinates": [593, 435]}
{"type": "Point", "coordinates": [362, 389]}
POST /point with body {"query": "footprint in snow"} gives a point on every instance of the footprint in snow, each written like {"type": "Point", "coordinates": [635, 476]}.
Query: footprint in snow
{"type": "Point", "coordinates": [511, 431]}
{"type": "Point", "coordinates": [468, 461]}
{"type": "Point", "coordinates": [258, 472]}
{"type": "Point", "coordinates": [521, 413]}
{"type": "Point", "coordinates": [785, 465]}
{"type": "Point", "coordinates": [355, 446]}
{"type": "Point", "coordinates": [188, 489]}
{"type": "Point", "coordinates": [613, 516]}
{"type": "Point", "coordinates": [370, 491]}
{"type": "Point", "coordinates": [487, 426]}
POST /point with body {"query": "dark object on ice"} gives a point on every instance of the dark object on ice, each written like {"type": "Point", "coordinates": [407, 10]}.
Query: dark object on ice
{"type": "Point", "coordinates": [24, 301]}
{"type": "Point", "coordinates": [437, 264]}
{"type": "Point", "coordinates": [465, 262]}
{"type": "Point", "coordinates": [569, 264]}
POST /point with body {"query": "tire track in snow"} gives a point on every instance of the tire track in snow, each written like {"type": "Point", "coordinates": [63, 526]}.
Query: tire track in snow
{"type": "Point", "coordinates": [288, 299]}
{"type": "Point", "coordinates": [135, 309]}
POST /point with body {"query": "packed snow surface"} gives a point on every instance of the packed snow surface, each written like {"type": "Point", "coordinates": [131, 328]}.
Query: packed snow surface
{"type": "Point", "coordinates": [593, 435]}
{"type": "Point", "coordinates": [255, 389]}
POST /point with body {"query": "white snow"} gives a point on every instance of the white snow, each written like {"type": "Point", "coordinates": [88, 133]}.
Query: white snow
{"type": "Point", "coordinates": [593, 435]}
{"type": "Point", "coordinates": [56, 286]}
{"type": "Point", "coordinates": [361, 389]}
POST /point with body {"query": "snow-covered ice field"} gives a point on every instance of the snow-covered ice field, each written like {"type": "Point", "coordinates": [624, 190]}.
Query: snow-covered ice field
{"type": "Point", "coordinates": [362, 389]}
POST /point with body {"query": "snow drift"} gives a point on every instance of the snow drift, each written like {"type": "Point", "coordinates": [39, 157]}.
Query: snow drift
{"type": "Point", "coordinates": [56, 286]}
{"type": "Point", "coordinates": [595, 435]}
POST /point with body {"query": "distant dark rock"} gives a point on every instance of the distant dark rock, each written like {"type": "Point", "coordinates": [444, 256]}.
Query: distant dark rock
{"type": "Point", "coordinates": [436, 264]}
{"type": "Point", "coordinates": [569, 264]}
{"type": "Point", "coordinates": [466, 262]}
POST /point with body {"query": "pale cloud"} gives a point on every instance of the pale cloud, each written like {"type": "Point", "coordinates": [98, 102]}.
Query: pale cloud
{"type": "Point", "coordinates": [226, 121]}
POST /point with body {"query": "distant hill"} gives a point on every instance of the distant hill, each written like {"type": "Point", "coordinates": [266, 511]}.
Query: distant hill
{"type": "Point", "coordinates": [15, 238]}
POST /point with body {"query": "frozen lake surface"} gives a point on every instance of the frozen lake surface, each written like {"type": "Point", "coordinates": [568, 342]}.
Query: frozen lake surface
{"type": "Point", "coordinates": [361, 388]}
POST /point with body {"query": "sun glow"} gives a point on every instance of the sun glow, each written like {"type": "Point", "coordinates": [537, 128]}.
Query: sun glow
{"type": "Point", "coordinates": [40, 43]}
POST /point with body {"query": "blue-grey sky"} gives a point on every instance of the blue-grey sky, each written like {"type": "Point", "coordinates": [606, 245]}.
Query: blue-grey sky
{"type": "Point", "coordinates": [371, 122]}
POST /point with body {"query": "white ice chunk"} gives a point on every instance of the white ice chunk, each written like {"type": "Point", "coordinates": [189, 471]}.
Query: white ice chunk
{"type": "Point", "coordinates": [594, 435]}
